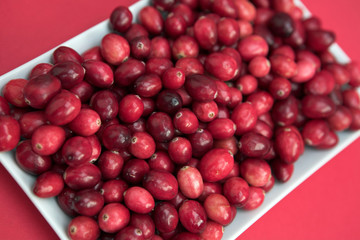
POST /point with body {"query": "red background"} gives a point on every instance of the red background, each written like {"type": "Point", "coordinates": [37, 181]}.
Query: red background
{"type": "Point", "coordinates": [325, 206]}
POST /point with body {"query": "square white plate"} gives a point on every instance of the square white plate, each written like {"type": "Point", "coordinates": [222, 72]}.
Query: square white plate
{"type": "Point", "coordinates": [308, 163]}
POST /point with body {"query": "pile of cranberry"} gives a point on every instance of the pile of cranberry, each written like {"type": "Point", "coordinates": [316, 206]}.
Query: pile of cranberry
{"type": "Point", "coordinates": [174, 122]}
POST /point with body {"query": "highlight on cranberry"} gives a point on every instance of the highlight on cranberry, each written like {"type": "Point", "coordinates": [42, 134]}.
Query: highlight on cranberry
{"type": "Point", "coordinates": [180, 117]}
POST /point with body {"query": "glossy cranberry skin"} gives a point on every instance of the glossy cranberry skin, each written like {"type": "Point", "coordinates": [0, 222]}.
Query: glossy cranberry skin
{"type": "Point", "coordinates": [256, 198]}
{"type": "Point", "coordinates": [280, 88]}
{"type": "Point", "coordinates": [98, 74]}
{"type": "Point", "coordinates": [168, 101]}
{"type": "Point", "coordinates": [148, 85]}
{"type": "Point", "coordinates": [224, 93]}
{"type": "Point", "coordinates": [317, 106]}
{"type": "Point", "coordinates": [48, 184]}
{"type": "Point", "coordinates": [218, 209]}
{"type": "Point", "coordinates": [114, 48]}
{"type": "Point", "coordinates": [314, 131]}
{"type": "Point", "coordinates": [216, 164]}
{"type": "Point", "coordinates": [285, 112]}
{"type": "Point", "coordinates": [262, 101]}
{"type": "Point", "coordinates": [186, 121]}
{"type": "Point", "coordinates": [92, 54]}
{"type": "Point", "coordinates": [236, 190]}
{"type": "Point", "coordinates": [105, 104]}
{"type": "Point", "coordinates": [322, 83]}
{"type": "Point", "coordinates": [160, 48]}
{"type": "Point", "coordinates": [252, 46]}
{"type": "Point", "coordinates": [69, 73]}
{"type": "Point", "coordinates": [244, 116]}
{"type": "Point", "coordinates": [116, 137]}
{"type": "Point", "coordinates": [180, 150]}
{"type": "Point", "coordinates": [139, 200]}
{"type": "Point", "coordinates": [9, 133]}
{"type": "Point", "coordinates": [83, 176]}
{"type": "Point", "coordinates": [166, 217]}
{"type": "Point", "coordinates": [222, 128]}
{"type": "Point", "coordinates": [355, 124]}
{"type": "Point", "coordinates": [228, 31]}
{"type": "Point", "coordinates": [83, 90]}
{"type": "Point", "coordinates": [161, 161]}
{"type": "Point", "coordinates": [175, 26]}
{"type": "Point", "coordinates": [354, 70]}
{"type": "Point", "coordinates": [190, 182]}
{"type": "Point", "coordinates": [47, 139]}
{"type": "Point", "coordinates": [184, 11]}
{"type": "Point", "coordinates": [142, 145]}
{"type": "Point", "coordinates": [283, 66]}
{"type": "Point", "coordinates": [288, 144]}
{"type": "Point", "coordinates": [247, 84]}
{"type": "Point", "coordinates": [254, 145]}
{"type": "Point", "coordinates": [129, 232]}
{"type": "Point", "coordinates": [4, 106]}
{"type": "Point", "coordinates": [76, 150]}
{"type": "Point", "coordinates": [39, 69]}
{"type": "Point", "coordinates": [185, 46]}
{"type": "Point", "coordinates": [192, 216]}
{"type": "Point", "coordinates": [110, 164]}
{"type": "Point", "coordinates": [221, 66]}
{"type": "Point", "coordinates": [83, 228]}
{"type": "Point", "coordinates": [201, 142]}
{"type": "Point", "coordinates": [145, 223]}
{"type": "Point", "coordinates": [63, 108]}
{"type": "Point", "coordinates": [161, 184]}
{"type": "Point", "coordinates": [88, 202]}
{"type": "Point", "coordinates": [203, 26]}
{"type": "Point", "coordinates": [331, 140]}
{"type": "Point", "coordinates": [201, 88]}
{"type": "Point", "coordinates": [160, 127]}
{"type": "Point", "coordinates": [255, 171]}
{"type": "Point", "coordinates": [173, 78]}
{"type": "Point", "coordinates": [230, 144]}
{"type": "Point", "coordinates": [190, 66]}
{"type": "Point", "coordinates": [121, 19]}
{"type": "Point", "coordinates": [130, 108]}
{"type": "Point", "coordinates": [134, 170]}
{"type": "Point", "coordinates": [86, 123]}
{"type": "Point", "coordinates": [140, 47]}
{"type": "Point", "coordinates": [156, 24]}
{"type": "Point", "coordinates": [282, 171]}
{"type": "Point", "coordinates": [351, 98]}
{"type": "Point", "coordinates": [127, 72]}
{"type": "Point", "coordinates": [65, 54]}
{"type": "Point", "coordinates": [113, 217]}
{"type": "Point", "coordinates": [40, 90]}
{"type": "Point", "coordinates": [136, 30]}
{"type": "Point", "coordinates": [30, 161]}
{"type": "Point", "coordinates": [212, 231]}
{"type": "Point", "coordinates": [341, 119]}
{"type": "Point", "coordinates": [319, 40]}
{"type": "Point", "coordinates": [113, 190]}
{"type": "Point", "coordinates": [65, 200]}
{"type": "Point", "coordinates": [13, 93]}
{"type": "Point", "coordinates": [205, 111]}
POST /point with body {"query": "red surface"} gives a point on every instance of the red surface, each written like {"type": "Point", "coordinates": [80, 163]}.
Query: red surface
{"type": "Point", "coordinates": [325, 206]}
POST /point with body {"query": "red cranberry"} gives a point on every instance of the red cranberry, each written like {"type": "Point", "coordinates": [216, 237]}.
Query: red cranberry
{"type": "Point", "coordinates": [139, 200]}
{"type": "Point", "coordinates": [160, 126]}
{"type": "Point", "coordinates": [114, 48]}
{"type": "Point", "coordinates": [236, 190]}
{"type": "Point", "coordinates": [247, 84]}
{"type": "Point", "coordinates": [207, 39]}
{"type": "Point", "coordinates": [213, 231]}
{"type": "Point", "coordinates": [351, 98]}
{"type": "Point", "coordinates": [222, 66]}
{"type": "Point", "coordinates": [175, 26]}
{"type": "Point", "coordinates": [69, 73]}
{"type": "Point", "coordinates": [319, 40]}
{"type": "Point", "coordinates": [151, 19]}
{"type": "Point", "coordinates": [216, 164]}
{"type": "Point", "coordinates": [210, 188]}
{"type": "Point", "coordinates": [13, 93]}
{"type": "Point", "coordinates": [121, 19]}
{"type": "Point", "coordinates": [255, 171]}
{"type": "Point", "coordinates": [256, 198]}
{"type": "Point", "coordinates": [282, 171]}
{"type": "Point", "coordinates": [142, 145]}
{"type": "Point", "coordinates": [65, 54]}
{"type": "Point", "coordinates": [228, 31]}
{"type": "Point", "coordinates": [317, 106]}
{"type": "Point", "coordinates": [222, 128]}
{"type": "Point", "coordinates": [288, 144]}
{"type": "Point", "coordinates": [76, 150]}
{"type": "Point", "coordinates": [168, 101]}
{"type": "Point", "coordinates": [225, 8]}
{"type": "Point", "coordinates": [331, 140]}
{"type": "Point", "coordinates": [136, 30]}
{"type": "Point", "coordinates": [110, 164]}
{"type": "Point", "coordinates": [113, 190]}
{"type": "Point", "coordinates": [180, 150]}
{"type": "Point", "coordinates": [86, 123]}
{"type": "Point", "coordinates": [186, 121]}
{"type": "Point", "coordinates": [113, 217]}
{"type": "Point", "coordinates": [130, 108]}
{"type": "Point", "coordinates": [283, 66]}
{"type": "Point", "coordinates": [217, 208]}
{"type": "Point", "coordinates": [83, 228]}
{"type": "Point", "coordinates": [4, 106]}
{"type": "Point", "coordinates": [128, 72]}
{"type": "Point", "coordinates": [140, 47]}
{"type": "Point", "coordinates": [134, 171]}
{"type": "Point", "coordinates": [190, 182]}
{"type": "Point", "coordinates": [160, 48]}
{"type": "Point", "coordinates": [201, 142]}
{"type": "Point", "coordinates": [48, 184]}
{"type": "Point", "coordinates": [244, 116]}
{"type": "Point", "coordinates": [341, 119]}
{"type": "Point", "coordinates": [354, 70]}
{"type": "Point", "coordinates": [148, 85]}
{"type": "Point", "coordinates": [161, 161]}
{"type": "Point", "coordinates": [116, 137]}
{"type": "Point", "coordinates": [201, 88]}
{"type": "Point", "coordinates": [173, 78]}
{"type": "Point", "coordinates": [185, 46]}
{"type": "Point", "coordinates": [129, 232]}
{"type": "Point", "coordinates": [322, 83]}
{"type": "Point", "coordinates": [190, 66]}
{"type": "Point", "coordinates": [65, 200]}
{"type": "Point", "coordinates": [252, 46]}
{"type": "Point", "coordinates": [83, 90]}
{"type": "Point", "coordinates": [280, 88]}
{"type": "Point", "coordinates": [39, 69]}
{"type": "Point", "coordinates": [285, 111]}
{"type": "Point", "coordinates": [88, 202]}
{"type": "Point", "coordinates": [83, 176]}
{"type": "Point", "coordinates": [166, 217]}
{"type": "Point", "coordinates": [161, 184]}
{"type": "Point", "coordinates": [254, 145]}
{"type": "Point", "coordinates": [192, 216]}
{"type": "Point", "coordinates": [145, 223]}
{"type": "Point", "coordinates": [47, 139]}
{"type": "Point", "coordinates": [184, 11]}
{"type": "Point", "coordinates": [205, 111]}
{"type": "Point", "coordinates": [93, 53]}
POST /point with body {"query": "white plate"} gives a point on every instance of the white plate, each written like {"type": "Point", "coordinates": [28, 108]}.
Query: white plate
{"type": "Point", "coordinates": [308, 163]}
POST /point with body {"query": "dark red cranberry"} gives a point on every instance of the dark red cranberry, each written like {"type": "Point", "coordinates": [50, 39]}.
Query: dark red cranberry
{"type": "Point", "coordinates": [160, 126]}
{"type": "Point", "coordinates": [168, 101]}
{"type": "Point", "coordinates": [83, 227]}
{"type": "Point", "coordinates": [105, 104]}
{"type": "Point", "coordinates": [116, 137]}
{"type": "Point", "coordinates": [134, 170]}
{"type": "Point", "coordinates": [88, 202]}
{"type": "Point", "coordinates": [121, 19]}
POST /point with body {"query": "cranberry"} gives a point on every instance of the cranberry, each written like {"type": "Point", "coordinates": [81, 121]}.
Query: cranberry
{"type": "Point", "coordinates": [69, 73]}
{"type": "Point", "coordinates": [319, 40]}
{"type": "Point", "coordinates": [254, 145]}
{"type": "Point", "coordinates": [186, 121]}
{"type": "Point", "coordinates": [201, 88]}
{"type": "Point", "coordinates": [30, 161]}
{"type": "Point", "coordinates": [184, 11]}
{"type": "Point", "coordinates": [149, 106]}
{"type": "Point", "coordinates": [130, 108]}
{"type": "Point", "coordinates": [222, 128]}
{"type": "Point", "coordinates": [140, 47]}
{"type": "Point", "coordinates": [225, 8]}
{"type": "Point", "coordinates": [168, 101]}
{"type": "Point", "coordinates": [255, 171]}
{"type": "Point", "coordinates": [190, 182]}
{"type": "Point", "coordinates": [4, 106]}
{"type": "Point", "coordinates": [83, 90]}
{"type": "Point", "coordinates": [83, 228]}
{"type": "Point", "coordinates": [217, 208]}
{"type": "Point", "coordinates": [282, 171]}
{"type": "Point", "coordinates": [161, 161]}
{"type": "Point", "coordinates": [180, 150]}
{"type": "Point", "coordinates": [88, 202]}
{"type": "Point", "coordinates": [192, 216]}
{"type": "Point", "coordinates": [13, 93]}
{"type": "Point", "coordinates": [116, 137]}
{"type": "Point", "coordinates": [252, 46]}
{"type": "Point", "coordinates": [330, 140]}
{"type": "Point", "coordinates": [93, 53]}
{"type": "Point", "coordinates": [48, 184]}
{"type": "Point", "coordinates": [285, 50]}
{"type": "Point", "coordinates": [190, 66]}
{"type": "Point", "coordinates": [212, 231]}
{"type": "Point", "coordinates": [40, 69]}
{"type": "Point", "coordinates": [288, 144]}
{"type": "Point", "coordinates": [121, 19]}
{"type": "Point", "coordinates": [83, 176]}
{"type": "Point", "coordinates": [354, 70]}
{"type": "Point", "coordinates": [86, 123]}
{"type": "Point", "coordinates": [145, 223]}
{"type": "Point", "coordinates": [228, 31]}
{"type": "Point", "coordinates": [216, 164]}
{"type": "Point", "coordinates": [113, 217]}
{"type": "Point", "coordinates": [30, 121]}
{"type": "Point", "coordinates": [40, 90]}
{"type": "Point", "coordinates": [322, 83]}
{"type": "Point", "coordinates": [205, 31]}
{"type": "Point", "coordinates": [283, 66]}
{"type": "Point", "coordinates": [160, 48]}
{"type": "Point", "coordinates": [341, 119]}
{"type": "Point", "coordinates": [160, 126]}
{"type": "Point", "coordinates": [136, 30]}
{"type": "Point", "coordinates": [205, 111]}
{"type": "Point", "coordinates": [148, 85]}
{"type": "Point", "coordinates": [244, 116]}
{"type": "Point", "coordinates": [201, 142]}
{"type": "Point", "coordinates": [280, 88]}
{"type": "Point", "coordinates": [151, 19]}
{"type": "Point", "coordinates": [161, 184]}
{"type": "Point", "coordinates": [222, 66]}
{"type": "Point", "coordinates": [185, 46]}
{"type": "Point", "coordinates": [139, 200]}
{"type": "Point", "coordinates": [247, 84]}
{"type": "Point", "coordinates": [317, 106]}
{"type": "Point", "coordinates": [285, 111]}
{"type": "Point", "coordinates": [127, 72]}
{"type": "Point", "coordinates": [256, 198]}
{"type": "Point", "coordinates": [64, 54]}
{"type": "Point", "coordinates": [351, 98]}
{"type": "Point", "coordinates": [142, 145]}
{"type": "Point", "coordinates": [129, 232]}
{"type": "Point", "coordinates": [166, 217]}
{"type": "Point", "coordinates": [134, 171]}
{"type": "Point", "coordinates": [46, 140]}
{"type": "Point", "coordinates": [65, 200]}
{"type": "Point", "coordinates": [110, 164]}
{"type": "Point", "coordinates": [175, 26]}
{"type": "Point", "coordinates": [355, 124]}
{"type": "Point", "coordinates": [76, 150]}
{"type": "Point", "coordinates": [236, 190]}
{"type": "Point", "coordinates": [173, 78]}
